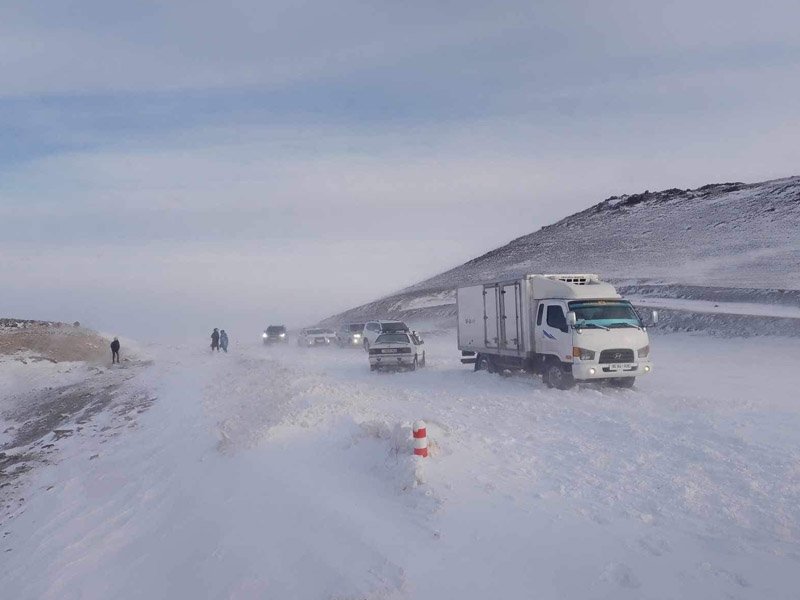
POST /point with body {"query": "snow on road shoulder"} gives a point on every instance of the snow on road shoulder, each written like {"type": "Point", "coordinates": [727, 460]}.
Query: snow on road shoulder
{"type": "Point", "coordinates": [45, 403]}
{"type": "Point", "coordinates": [26, 372]}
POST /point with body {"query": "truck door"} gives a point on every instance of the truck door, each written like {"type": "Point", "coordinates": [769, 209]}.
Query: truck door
{"type": "Point", "coordinates": [556, 337]}
{"type": "Point", "coordinates": [510, 323]}
{"type": "Point", "coordinates": [538, 337]}
{"type": "Point", "coordinates": [490, 316]}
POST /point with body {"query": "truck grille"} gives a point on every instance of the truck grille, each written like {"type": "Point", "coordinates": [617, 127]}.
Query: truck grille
{"type": "Point", "coordinates": [616, 355]}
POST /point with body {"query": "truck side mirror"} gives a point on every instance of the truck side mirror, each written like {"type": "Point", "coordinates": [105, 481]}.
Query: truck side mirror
{"type": "Point", "coordinates": [655, 317]}
{"type": "Point", "coordinates": [572, 319]}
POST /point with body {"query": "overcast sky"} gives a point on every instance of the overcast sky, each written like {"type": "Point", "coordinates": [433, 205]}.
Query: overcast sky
{"type": "Point", "coordinates": [174, 165]}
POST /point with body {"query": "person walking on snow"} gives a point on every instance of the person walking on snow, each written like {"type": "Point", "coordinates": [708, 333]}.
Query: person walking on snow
{"type": "Point", "coordinates": [223, 341]}
{"type": "Point", "coordinates": [115, 351]}
{"type": "Point", "coordinates": [215, 340]}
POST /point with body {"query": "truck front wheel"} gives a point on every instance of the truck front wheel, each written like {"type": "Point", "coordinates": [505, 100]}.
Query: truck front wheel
{"type": "Point", "coordinates": [555, 376]}
{"type": "Point", "coordinates": [484, 363]}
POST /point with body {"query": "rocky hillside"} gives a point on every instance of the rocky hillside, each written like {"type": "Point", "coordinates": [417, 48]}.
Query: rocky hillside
{"type": "Point", "coordinates": [50, 340]}
{"type": "Point", "coordinates": [727, 242]}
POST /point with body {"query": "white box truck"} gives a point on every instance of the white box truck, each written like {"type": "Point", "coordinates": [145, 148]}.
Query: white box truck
{"type": "Point", "coordinates": [568, 328]}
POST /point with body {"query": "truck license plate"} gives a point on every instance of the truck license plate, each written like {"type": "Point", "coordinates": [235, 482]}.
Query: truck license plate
{"type": "Point", "coordinates": [620, 366]}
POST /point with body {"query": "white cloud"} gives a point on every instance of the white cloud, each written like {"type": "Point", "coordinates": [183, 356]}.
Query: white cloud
{"type": "Point", "coordinates": [199, 45]}
{"type": "Point", "coordinates": [97, 46]}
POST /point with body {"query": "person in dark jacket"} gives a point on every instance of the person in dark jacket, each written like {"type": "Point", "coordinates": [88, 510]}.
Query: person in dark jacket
{"type": "Point", "coordinates": [223, 340]}
{"type": "Point", "coordinates": [115, 351]}
{"type": "Point", "coordinates": [215, 340]}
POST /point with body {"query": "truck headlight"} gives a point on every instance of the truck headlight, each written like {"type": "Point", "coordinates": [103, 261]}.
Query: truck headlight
{"type": "Point", "coordinates": [264, 335]}
{"type": "Point", "coordinates": [283, 335]}
{"type": "Point", "coordinates": [356, 335]}
{"type": "Point", "coordinates": [644, 352]}
{"type": "Point", "coordinates": [582, 353]}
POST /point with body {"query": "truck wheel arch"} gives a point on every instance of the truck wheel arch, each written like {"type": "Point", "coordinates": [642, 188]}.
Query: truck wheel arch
{"type": "Point", "coordinates": [484, 362]}
{"type": "Point", "coordinates": [561, 378]}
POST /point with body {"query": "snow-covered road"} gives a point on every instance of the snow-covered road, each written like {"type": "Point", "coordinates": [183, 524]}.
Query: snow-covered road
{"type": "Point", "coordinates": [284, 473]}
{"type": "Point", "coordinates": [726, 308]}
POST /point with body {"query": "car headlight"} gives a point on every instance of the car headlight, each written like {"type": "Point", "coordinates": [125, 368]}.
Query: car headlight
{"type": "Point", "coordinates": [283, 335]}
{"type": "Point", "coordinates": [264, 335]}
{"type": "Point", "coordinates": [644, 352]}
{"type": "Point", "coordinates": [582, 353]}
{"type": "Point", "coordinates": [356, 335]}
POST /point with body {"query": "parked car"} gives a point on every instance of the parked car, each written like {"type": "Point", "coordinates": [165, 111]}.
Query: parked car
{"type": "Point", "coordinates": [275, 334]}
{"type": "Point", "coordinates": [350, 335]}
{"type": "Point", "coordinates": [315, 336]}
{"type": "Point", "coordinates": [372, 329]}
{"type": "Point", "coordinates": [401, 350]}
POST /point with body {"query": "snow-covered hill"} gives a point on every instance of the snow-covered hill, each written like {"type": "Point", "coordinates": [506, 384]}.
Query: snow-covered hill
{"type": "Point", "coordinates": [729, 242]}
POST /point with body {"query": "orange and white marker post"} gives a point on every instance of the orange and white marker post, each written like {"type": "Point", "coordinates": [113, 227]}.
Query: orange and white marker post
{"type": "Point", "coordinates": [420, 439]}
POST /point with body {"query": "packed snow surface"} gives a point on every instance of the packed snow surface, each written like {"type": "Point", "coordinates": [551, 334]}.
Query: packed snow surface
{"type": "Point", "coordinates": [286, 473]}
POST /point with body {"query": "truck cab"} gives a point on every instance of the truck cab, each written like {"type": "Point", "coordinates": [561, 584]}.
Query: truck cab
{"type": "Point", "coordinates": [590, 339]}
{"type": "Point", "coordinates": [568, 328]}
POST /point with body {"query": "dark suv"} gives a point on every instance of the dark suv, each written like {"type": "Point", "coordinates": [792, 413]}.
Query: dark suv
{"type": "Point", "coordinates": [275, 334]}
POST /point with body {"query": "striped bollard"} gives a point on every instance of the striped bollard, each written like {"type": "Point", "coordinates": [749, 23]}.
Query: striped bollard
{"type": "Point", "coordinates": [420, 439]}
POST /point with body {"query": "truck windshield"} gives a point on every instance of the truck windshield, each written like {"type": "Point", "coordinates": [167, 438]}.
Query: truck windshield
{"type": "Point", "coordinates": [356, 327]}
{"type": "Point", "coordinates": [276, 329]}
{"type": "Point", "coordinates": [605, 313]}
{"type": "Point", "coordinates": [392, 338]}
